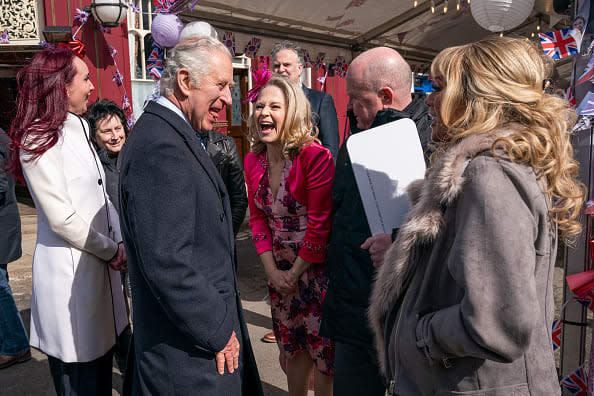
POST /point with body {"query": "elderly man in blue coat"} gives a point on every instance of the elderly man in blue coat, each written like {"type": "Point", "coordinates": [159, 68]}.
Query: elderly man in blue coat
{"type": "Point", "coordinates": [190, 335]}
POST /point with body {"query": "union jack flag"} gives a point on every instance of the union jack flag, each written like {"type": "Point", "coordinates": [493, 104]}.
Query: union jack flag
{"type": "Point", "coordinates": [306, 58]}
{"type": "Point", "coordinates": [131, 121]}
{"type": "Point", "coordinates": [229, 41]}
{"type": "Point", "coordinates": [112, 51]}
{"type": "Point", "coordinates": [81, 15]}
{"type": "Point", "coordinates": [252, 47]}
{"type": "Point", "coordinates": [126, 102]}
{"type": "Point", "coordinates": [154, 63]}
{"type": "Point", "coordinates": [4, 38]}
{"type": "Point", "coordinates": [558, 44]}
{"type": "Point", "coordinates": [163, 5]}
{"type": "Point", "coordinates": [586, 300]}
{"type": "Point", "coordinates": [104, 29]}
{"type": "Point", "coordinates": [134, 8]}
{"type": "Point", "coordinates": [576, 382]}
{"type": "Point", "coordinates": [340, 67]}
{"type": "Point", "coordinates": [118, 78]}
{"type": "Point", "coordinates": [557, 329]}
{"type": "Point", "coordinates": [320, 60]}
{"type": "Point", "coordinates": [588, 74]}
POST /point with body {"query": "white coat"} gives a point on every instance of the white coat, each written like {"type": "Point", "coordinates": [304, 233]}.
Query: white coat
{"type": "Point", "coordinates": [74, 314]}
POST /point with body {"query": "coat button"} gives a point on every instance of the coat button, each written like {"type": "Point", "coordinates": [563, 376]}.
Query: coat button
{"type": "Point", "coordinates": [100, 182]}
{"type": "Point", "coordinates": [222, 216]}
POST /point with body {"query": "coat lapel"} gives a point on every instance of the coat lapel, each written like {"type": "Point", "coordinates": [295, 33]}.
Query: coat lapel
{"type": "Point", "coordinates": [193, 141]}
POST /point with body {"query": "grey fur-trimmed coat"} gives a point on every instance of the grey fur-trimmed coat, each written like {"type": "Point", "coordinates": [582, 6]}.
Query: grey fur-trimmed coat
{"type": "Point", "coordinates": [463, 303]}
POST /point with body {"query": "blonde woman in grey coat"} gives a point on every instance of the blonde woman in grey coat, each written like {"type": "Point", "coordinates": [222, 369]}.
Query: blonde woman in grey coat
{"type": "Point", "coordinates": [463, 303]}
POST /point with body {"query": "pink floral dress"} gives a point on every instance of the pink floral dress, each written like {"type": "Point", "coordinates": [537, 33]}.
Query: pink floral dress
{"type": "Point", "coordinates": [296, 317]}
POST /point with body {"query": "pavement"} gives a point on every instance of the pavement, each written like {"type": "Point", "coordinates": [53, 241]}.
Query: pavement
{"type": "Point", "coordinates": [33, 378]}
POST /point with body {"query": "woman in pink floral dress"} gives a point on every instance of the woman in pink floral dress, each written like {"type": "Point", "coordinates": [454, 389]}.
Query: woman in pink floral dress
{"type": "Point", "coordinates": [289, 177]}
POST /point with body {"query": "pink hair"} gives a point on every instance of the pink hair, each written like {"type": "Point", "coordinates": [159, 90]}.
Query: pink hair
{"type": "Point", "coordinates": [41, 105]}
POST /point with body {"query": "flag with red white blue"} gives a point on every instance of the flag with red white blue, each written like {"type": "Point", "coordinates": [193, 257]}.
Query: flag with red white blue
{"type": "Point", "coordinates": [81, 16]}
{"type": "Point", "coordinates": [252, 47]}
{"type": "Point", "coordinates": [577, 382]}
{"type": "Point", "coordinates": [306, 58]}
{"type": "Point", "coordinates": [134, 8]}
{"type": "Point", "coordinates": [118, 78]}
{"type": "Point", "coordinates": [126, 102]}
{"type": "Point", "coordinates": [320, 60]}
{"type": "Point", "coordinates": [557, 329]}
{"type": "Point", "coordinates": [558, 44]}
{"type": "Point", "coordinates": [4, 38]}
{"type": "Point", "coordinates": [131, 121]}
{"type": "Point", "coordinates": [155, 62]}
{"type": "Point", "coordinates": [112, 51]}
{"type": "Point", "coordinates": [586, 300]}
{"type": "Point", "coordinates": [229, 41]}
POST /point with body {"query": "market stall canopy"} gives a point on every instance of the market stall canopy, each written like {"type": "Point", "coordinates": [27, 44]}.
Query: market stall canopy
{"type": "Point", "coordinates": [354, 25]}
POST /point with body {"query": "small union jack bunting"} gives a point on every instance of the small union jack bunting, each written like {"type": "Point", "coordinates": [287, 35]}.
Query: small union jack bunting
{"type": "Point", "coordinates": [558, 44]}
{"type": "Point", "coordinates": [81, 16]}
{"type": "Point", "coordinates": [576, 382]}
{"type": "Point", "coordinates": [126, 102]}
{"type": "Point", "coordinates": [229, 41]}
{"type": "Point", "coordinates": [557, 329]}
{"type": "Point", "coordinates": [252, 47]}
{"type": "Point", "coordinates": [118, 78]}
{"type": "Point", "coordinates": [134, 8]}
{"type": "Point", "coordinates": [4, 38]}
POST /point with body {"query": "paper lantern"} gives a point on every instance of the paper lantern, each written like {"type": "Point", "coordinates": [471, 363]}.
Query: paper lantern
{"type": "Point", "coordinates": [500, 15]}
{"type": "Point", "coordinates": [166, 29]}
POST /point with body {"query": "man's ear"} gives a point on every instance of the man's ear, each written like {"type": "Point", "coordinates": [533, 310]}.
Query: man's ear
{"type": "Point", "coordinates": [184, 81]}
{"type": "Point", "coordinates": [386, 95]}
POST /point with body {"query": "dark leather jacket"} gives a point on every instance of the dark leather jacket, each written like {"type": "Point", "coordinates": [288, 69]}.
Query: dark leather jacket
{"type": "Point", "coordinates": [349, 268]}
{"type": "Point", "coordinates": [223, 151]}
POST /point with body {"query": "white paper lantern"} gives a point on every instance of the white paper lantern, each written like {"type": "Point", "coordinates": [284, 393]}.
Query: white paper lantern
{"type": "Point", "coordinates": [500, 15]}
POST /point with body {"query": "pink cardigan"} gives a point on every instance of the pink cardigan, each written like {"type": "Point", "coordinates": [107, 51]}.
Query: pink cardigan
{"type": "Point", "coordinates": [310, 179]}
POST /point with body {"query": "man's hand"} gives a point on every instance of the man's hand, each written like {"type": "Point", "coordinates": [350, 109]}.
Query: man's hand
{"type": "Point", "coordinates": [119, 262]}
{"type": "Point", "coordinates": [229, 354]}
{"type": "Point", "coordinates": [377, 245]}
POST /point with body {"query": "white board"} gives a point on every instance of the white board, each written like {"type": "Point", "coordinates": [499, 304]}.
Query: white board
{"type": "Point", "coordinates": [385, 160]}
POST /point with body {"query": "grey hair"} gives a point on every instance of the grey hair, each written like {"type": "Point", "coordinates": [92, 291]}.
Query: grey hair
{"type": "Point", "coordinates": [288, 45]}
{"type": "Point", "coordinates": [194, 54]}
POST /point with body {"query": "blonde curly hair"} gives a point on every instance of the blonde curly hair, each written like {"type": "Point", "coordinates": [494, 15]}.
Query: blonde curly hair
{"type": "Point", "coordinates": [499, 81]}
{"type": "Point", "coordinates": [298, 129]}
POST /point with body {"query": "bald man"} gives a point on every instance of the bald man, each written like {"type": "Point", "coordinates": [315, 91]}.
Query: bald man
{"type": "Point", "coordinates": [378, 85]}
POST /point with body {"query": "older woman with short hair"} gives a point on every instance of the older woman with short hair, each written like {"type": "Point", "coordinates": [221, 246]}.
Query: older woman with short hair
{"type": "Point", "coordinates": [463, 303]}
{"type": "Point", "coordinates": [289, 177]}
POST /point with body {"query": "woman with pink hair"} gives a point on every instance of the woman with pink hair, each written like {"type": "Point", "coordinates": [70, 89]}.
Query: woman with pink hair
{"type": "Point", "coordinates": [77, 306]}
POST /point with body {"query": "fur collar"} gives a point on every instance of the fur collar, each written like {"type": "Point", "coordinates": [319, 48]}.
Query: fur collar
{"type": "Point", "coordinates": [441, 186]}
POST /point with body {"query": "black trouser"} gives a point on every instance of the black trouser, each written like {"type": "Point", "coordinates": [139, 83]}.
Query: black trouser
{"type": "Point", "coordinates": [82, 379]}
{"type": "Point", "coordinates": [356, 372]}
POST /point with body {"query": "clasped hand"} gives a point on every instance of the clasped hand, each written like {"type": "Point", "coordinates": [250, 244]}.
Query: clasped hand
{"type": "Point", "coordinates": [119, 262]}
{"type": "Point", "coordinates": [284, 282]}
{"type": "Point", "coordinates": [230, 355]}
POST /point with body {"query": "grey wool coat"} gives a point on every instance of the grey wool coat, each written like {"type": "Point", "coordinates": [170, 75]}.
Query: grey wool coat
{"type": "Point", "coordinates": [463, 303]}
